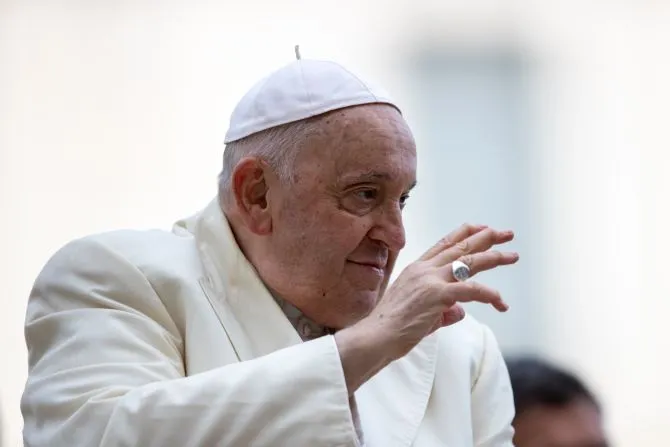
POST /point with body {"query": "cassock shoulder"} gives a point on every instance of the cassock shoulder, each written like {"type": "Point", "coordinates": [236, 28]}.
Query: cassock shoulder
{"type": "Point", "coordinates": [160, 256]}
{"type": "Point", "coordinates": [125, 269]}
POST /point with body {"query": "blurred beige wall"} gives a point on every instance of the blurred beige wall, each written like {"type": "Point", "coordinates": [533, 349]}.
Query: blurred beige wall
{"type": "Point", "coordinates": [112, 115]}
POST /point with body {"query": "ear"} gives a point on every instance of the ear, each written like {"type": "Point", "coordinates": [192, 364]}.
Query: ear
{"type": "Point", "coordinates": [250, 189]}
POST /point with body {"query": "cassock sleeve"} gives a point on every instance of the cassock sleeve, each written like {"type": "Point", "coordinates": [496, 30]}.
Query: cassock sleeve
{"type": "Point", "coordinates": [492, 398]}
{"type": "Point", "coordinates": [106, 369]}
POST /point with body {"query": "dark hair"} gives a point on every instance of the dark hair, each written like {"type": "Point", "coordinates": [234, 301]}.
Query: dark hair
{"type": "Point", "coordinates": [538, 382]}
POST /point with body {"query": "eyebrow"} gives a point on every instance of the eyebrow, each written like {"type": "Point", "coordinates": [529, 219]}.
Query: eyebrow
{"type": "Point", "coordinates": [371, 176]}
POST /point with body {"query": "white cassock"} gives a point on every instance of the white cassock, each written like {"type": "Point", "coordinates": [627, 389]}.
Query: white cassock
{"type": "Point", "coordinates": [158, 339]}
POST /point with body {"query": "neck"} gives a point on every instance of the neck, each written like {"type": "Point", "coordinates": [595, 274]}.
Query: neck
{"type": "Point", "coordinates": [306, 327]}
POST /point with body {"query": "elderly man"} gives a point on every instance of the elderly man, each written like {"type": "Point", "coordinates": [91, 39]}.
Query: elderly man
{"type": "Point", "coordinates": [265, 319]}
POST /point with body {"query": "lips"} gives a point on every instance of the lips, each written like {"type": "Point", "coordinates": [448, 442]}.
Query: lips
{"type": "Point", "coordinates": [373, 264]}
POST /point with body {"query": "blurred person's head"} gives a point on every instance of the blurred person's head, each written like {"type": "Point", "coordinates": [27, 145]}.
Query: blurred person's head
{"type": "Point", "coordinates": [553, 407]}
{"type": "Point", "coordinates": [316, 206]}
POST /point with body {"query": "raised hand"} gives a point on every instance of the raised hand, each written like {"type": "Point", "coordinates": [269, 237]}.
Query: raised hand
{"type": "Point", "coordinates": [426, 296]}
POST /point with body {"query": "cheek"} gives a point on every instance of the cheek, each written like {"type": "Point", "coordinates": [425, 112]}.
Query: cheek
{"type": "Point", "coordinates": [343, 231]}
{"type": "Point", "coordinates": [321, 238]}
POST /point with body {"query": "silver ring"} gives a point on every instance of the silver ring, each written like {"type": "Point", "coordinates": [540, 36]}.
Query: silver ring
{"type": "Point", "coordinates": [460, 270]}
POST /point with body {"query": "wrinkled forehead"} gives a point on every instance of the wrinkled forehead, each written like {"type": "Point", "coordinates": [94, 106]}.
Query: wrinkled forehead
{"type": "Point", "coordinates": [364, 139]}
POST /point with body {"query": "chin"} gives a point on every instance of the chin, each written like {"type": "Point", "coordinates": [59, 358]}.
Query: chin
{"type": "Point", "coordinates": [362, 306]}
{"type": "Point", "coordinates": [350, 313]}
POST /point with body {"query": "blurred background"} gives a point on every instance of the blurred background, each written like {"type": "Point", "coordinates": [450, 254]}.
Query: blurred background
{"type": "Point", "coordinates": [549, 118]}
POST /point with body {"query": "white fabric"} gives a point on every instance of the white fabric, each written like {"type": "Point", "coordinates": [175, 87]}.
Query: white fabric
{"type": "Point", "coordinates": [310, 330]}
{"type": "Point", "coordinates": [299, 90]}
{"type": "Point", "coordinates": [155, 339]}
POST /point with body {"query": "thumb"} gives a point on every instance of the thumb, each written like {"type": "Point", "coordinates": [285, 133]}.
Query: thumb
{"type": "Point", "coordinates": [453, 315]}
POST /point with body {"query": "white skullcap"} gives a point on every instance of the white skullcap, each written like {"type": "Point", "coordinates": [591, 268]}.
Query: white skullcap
{"type": "Point", "coordinates": [300, 90]}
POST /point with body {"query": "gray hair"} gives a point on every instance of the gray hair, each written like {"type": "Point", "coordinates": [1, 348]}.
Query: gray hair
{"type": "Point", "coordinates": [277, 146]}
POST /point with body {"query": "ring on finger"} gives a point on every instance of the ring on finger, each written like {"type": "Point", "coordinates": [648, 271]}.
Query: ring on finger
{"type": "Point", "coordinates": [460, 270]}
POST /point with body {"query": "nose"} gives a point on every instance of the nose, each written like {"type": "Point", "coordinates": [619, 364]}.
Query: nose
{"type": "Point", "coordinates": [389, 228]}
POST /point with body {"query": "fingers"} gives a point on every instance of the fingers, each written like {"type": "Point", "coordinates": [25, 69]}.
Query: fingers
{"type": "Point", "coordinates": [479, 262]}
{"type": "Point", "coordinates": [466, 292]}
{"type": "Point", "coordinates": [452, 315]}
{"type": "Point", "coordinates": [456, 236]}
{"type": "Point", "coordinates": [478, 242]}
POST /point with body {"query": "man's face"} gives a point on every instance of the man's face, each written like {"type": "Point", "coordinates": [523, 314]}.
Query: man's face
{"type": "Point", "coordinates": [337, 228]}
{"type": "Point", "coordinates": [577, 424]}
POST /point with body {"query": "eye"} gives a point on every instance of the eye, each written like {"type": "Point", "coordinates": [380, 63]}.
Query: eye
{"type": "Point", "coordinates": [366, 195]}
{"type": "Point", "coordinates": [403, 200]}
{"type": "Point", "coordinates": [361, 200]}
